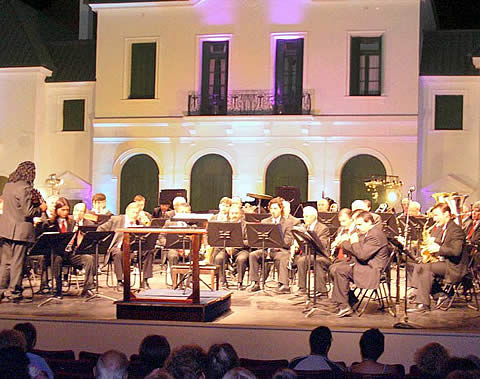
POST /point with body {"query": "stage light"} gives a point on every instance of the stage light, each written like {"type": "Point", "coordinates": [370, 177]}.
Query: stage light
{"type": "Point", "coordinates": [392, 196]}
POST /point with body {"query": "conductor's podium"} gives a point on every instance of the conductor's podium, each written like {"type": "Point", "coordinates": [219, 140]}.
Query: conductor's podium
{"type": "Point", "coordinates": [166, 304]}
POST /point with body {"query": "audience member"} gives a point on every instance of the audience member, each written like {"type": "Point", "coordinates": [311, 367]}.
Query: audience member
{"type": "Point", "coordinates": [111, 365]}
{"type": "Point", "coordinates": [460, 364]}
{"type": "Point", "coordinates": [431, 360]}
{"type": "Point", "coordinates": [153, 352]}
{"type": "Point", "coordinates": [239, 373]}
{"type": "Point", "coordinates": [30, 334]}
{"type": "Point", "coordinates": [284, 373]}
{"type": "Point", "coordinates": [221, 358]}
{"type": "Point", "coordinates": [13, 363]}
{"type": "Point", "coordinates": [320, 342]}
{"type": "Point", "coordinates": [159, 373]}
{"type": "Point", "coordinates": [372, 346]}
{"type": "Point", "coordinates": [188, 361]}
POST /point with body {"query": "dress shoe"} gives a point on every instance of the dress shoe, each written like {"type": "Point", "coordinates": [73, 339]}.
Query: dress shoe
{"type": "Point", "coordinates": [145, 284]}
{"type": "Point", "coordinates": [283, 289]}
{"type": "Point", "coordinates": [442, 299]}
{"type": "Point", "coordinates": [345, 312]}
{"type": "Point", "coordinates": [301, 291]}
{"type": "Point", "coordinates": [58, 296]}
{"type": "Point", "coordinates": [120, 286]}
{"type": "Point", "coordinates": [420, 308]}
{"type": "Point", "coordinates": [240, 287]}
{"type": "Point", "coordinates": [254, 287]}
{"type": "Point", "coordinates": [87, 293]}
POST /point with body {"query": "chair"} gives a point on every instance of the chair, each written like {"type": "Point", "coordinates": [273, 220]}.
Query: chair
{"type": "Point", "coordinates": [381, 294]}
{"type": "Point", "coordinates": [71, 368]}
{"type": "Point", "coordinates": [306, 374]}
{"type": "Point", "coordinates": [263, 369]}
{"type": "Point", "coordinates": [56, 354]}
{"type": "Point", "coordinates": [89, 356]}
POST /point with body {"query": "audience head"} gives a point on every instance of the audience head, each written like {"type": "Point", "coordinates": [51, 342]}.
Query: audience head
{"type": "Point", "coordinates": [275, 207]}
{"type": "Point", "coordinates": [159, 373]}
{"type": "Point", "coordinates": [79, 210]}
{"type": "Point", "coordinates": [111, 365]}
{"type": "Point", "coordinates": [132, 211]}
{"type": "Point", "coordinates": [323, 205]}
{"type": "Point", "coordinates": [179, 200]}
{"type": "Point", "coordinates": [320, 340]}
{"type": "Point", "coordinates": [284, 373]}
{"type": "Point", "coordinates": [99, 202]}
{"type": "Point", "coordinates": [310, 215]}
{"type": "Point", "coordinates": [29, 332]}
{"type": "Point", "coordinates": [13, 363]}
{"type": "Point", "coordinates": [372, 344]}
{"type": "Point", "coordinates": [460, 364]}
{"type": "Point", "coordinates": [239, 373]}
{"type": "Point", "coordinates": [154, 350]}
{"type": "Point", "coordinates": [221, 358]}
{"type": "Point", "coordinates": [432, 359]}
{"type": "Point", "coordinates": [359, 204]}
{"type": "Point", "coordinates": [140, 200]}
{"type": "Point", "coordinates": [187, 361]}
{"type": "Point", "coordinates": [10, 337]}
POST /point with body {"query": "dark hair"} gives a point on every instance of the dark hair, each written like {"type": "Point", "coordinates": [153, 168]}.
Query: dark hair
{"type": "Point", "coordinates": [13, 363]}
{"type": "Point", "coordinates": [30, 333]}
{"type": "Point", "coordinates": [276, 200]}
{"type": "Point", "coordinates": [372, 344]}
{"type": "Point", "coordinates": [443, 207]}
{"type": "Point", "coordinates": [154, 350]}
{"type": "Point", "coordinates": [221, 358]}
{"type": "Point", "coordinates": [25, 171]}
{"type": "Point", "coordinates": [320, 340]}
{"type": "Point", "coordinates": [60, 203]}
{"type": "Point", "coordinates": [431, 359]}
{"type": "Point", "coordinates": [99, 197]}
{"type": "Point", "coordinates": [460, 364]}
{"type": "Point", "coordinates": [285, 373]}
{"type": "Point", "coordinates": [188, 361]}
{"type": "Point", "coordinates": [366, 216]}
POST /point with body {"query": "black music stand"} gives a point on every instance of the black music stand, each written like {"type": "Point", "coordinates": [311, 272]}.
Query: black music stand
{"type": "Point", "coordinates": [390, 226]}
{"type": "Point", "coordinates": [139, 243]}
{"type": "Point", "coordinates": [256, 217]}
{"type": "Point", "coordinates": [264, 236]}
{"type": "Point", "coordinates": [91, 241]}
{"type": "Point", "coordinates": [329, 219]}
{"type": "Point", "coordinates": [52, 242]}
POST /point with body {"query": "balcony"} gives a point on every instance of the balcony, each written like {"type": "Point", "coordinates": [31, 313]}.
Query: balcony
{"type": "Point", "coordinates": [248, 103]}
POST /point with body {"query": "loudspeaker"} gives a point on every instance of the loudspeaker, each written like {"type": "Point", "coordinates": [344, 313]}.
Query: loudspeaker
{"type": "Point", "coordinates": [167, 195]}
{"type": "Point", "coordinates": [291, 194]}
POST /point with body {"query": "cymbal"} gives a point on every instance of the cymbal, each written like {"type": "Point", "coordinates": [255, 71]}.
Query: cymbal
{"type": "Point", "coordinates": [260, 196]}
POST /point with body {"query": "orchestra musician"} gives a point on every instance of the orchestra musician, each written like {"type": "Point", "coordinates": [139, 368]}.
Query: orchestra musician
{"type": "Point", "coordinates": [128, 220]}
{"type": "Point", "coordinates": [323, 205]}
{"type": "Point", "coordinates": [472, 231]}
{"type": "Point", "coordinates": [449, 244]}
{"type": "Point", "coordinates": [178, 202]}
{"type": "Point", "coordinates": [16, 228]}
{"type": "Point", "coordinates": [347, 225]}
{"type": "Point", "coordinates": [239, 255]}
{"type": "Point", "coordinates": [321, 235]}
{"type": "Point", "coordinates": [99, 205]}
{"type": "Point", "coordinates": [368, 247]}
{"type": "Point", "coordinates": [144, 217]}
{"type": "Point", "coordinates": [288, 215]}
{"type": "Point", "coordinates": [161, 210]}
{"type": "Point", "coordinates": [281, 256]}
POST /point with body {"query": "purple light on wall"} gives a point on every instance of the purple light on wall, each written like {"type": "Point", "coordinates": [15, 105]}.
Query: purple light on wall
{"type": "Point", "coordinates": [286, 12]}
{"type": "Point", "coordinates": [222, 14]}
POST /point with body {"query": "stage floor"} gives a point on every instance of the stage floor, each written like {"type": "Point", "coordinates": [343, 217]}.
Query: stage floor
{"type": "Point", "coordinates": [246, 310]}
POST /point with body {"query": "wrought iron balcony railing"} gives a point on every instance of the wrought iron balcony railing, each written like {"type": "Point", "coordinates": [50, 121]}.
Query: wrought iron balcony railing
{"type": "Point", "coordinates": [257, 102]}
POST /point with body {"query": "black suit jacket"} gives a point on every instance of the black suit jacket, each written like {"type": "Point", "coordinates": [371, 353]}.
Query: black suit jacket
{"type": "Point", "coordinates": [452, 248]}
{"type": "Point", "coordinates": [16, 222]}
{"type": "Point", "coordinates": [286, 226]}
{"type": "Point", "coordinates": [370, 256]}
{"type": "Point", "coordinates": [321, 235]}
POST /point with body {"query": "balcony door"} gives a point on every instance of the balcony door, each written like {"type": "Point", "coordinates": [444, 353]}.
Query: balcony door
{"type": "Point", "coordinates": [214, 78]}
{"type": "Point", "coordinates": [289, 76]}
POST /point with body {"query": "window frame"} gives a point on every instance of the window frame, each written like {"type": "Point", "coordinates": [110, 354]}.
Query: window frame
{"type": "Point", "coordinates": [434, 111]}
{"type": "Point", "coordinates": [60, 118]}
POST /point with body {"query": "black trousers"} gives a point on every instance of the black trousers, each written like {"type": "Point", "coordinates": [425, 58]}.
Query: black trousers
{"type": "Point", "coordinates": [11, 266]}
{"type": "Point", "coordinates": [241, 261]}
{"type": "Point", "coordinates": [423, 277]}
{"type": "Point", "coordinates": [321, 270]}
{"type": "Point", "coordinates": [342, 274]}
{"type": "Point", "coordinates": [78, 261]}
{"type": "Point", "coordinates": [147, 263]}
{"type": "Point", "coordinates": [280, 258]}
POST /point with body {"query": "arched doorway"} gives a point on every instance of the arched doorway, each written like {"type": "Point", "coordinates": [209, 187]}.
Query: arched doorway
{"type": "Point", "coordinates": [210, 180]}
{"type": "Point", "coordinates": [354, 173]}
{"type": "Point", "coordinates": [3, 181]}
{"type": "Point", "coordinates": [139, 177]}
{"type": "Point", "coordinates": [287, 170]}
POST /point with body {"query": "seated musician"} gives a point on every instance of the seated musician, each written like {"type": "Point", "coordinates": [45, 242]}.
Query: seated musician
{"type": "Point", "coordinates": [472, 230]}
{"type": "Point", "coordinates": [281, 256]}
{"type": "Point", "coordinates": [239, 255]}
{"type": "Point", "coordinates": [448, 243]}
{"type": "Point", "coordinates": [219, 255]}
{"type": "Point", "coordinates": [178, 202]}
{"type": "Point", "coordinates": [414, 209]}
{"type": "Point", "coordinates": [114, 252]}
{"type": "Point", "coordinates": [347, 225]}
{"type": "Point", "coordinates": [161, 210]}
{"type": "Point", "coordinates": [467, 218]}
{"type": "Point", "coordinates": [321, 235]}
{"type": "Point", "coordinates": [144, 216]}
{"type": "Point", "coordinates": [63, 223]}
{"type": "Point", "coordinates": [99, 205]}
{"type": "Point", "coordinates": [368, 247]}
{"type": "Point", "coordinates": [287, 213]}
{"type": "Point", "coordinates": [323, 205]}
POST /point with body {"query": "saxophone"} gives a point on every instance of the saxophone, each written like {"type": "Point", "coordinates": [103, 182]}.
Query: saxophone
{"type": "Point", "coordinates": [427, 240]}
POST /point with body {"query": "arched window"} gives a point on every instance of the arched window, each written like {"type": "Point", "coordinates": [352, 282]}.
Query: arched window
{"type": "Point", "coordinates": [139, 177]}
{"type": "Point", "coordinates": [354, 173]}
{"type": "Point", "coordinates": [3, 181]}
{"type": "Point", "coordinates": [210, 180]}
{"type": "Point", "coordinates": [287, 170]}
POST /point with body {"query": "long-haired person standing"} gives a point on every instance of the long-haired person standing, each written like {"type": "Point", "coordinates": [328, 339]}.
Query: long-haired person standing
{"type": "Point", "coordinates": [20, 205]}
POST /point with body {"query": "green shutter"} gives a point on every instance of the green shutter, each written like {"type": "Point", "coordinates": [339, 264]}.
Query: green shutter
{"type": "Point", "coordinates": [142, 78]}
{"type": "Point", "coordinates": [354, 66]}
{"type": "Point", "coordinates": [73, 115]}
{"type": "Point", "coordinates": [448, 112]}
